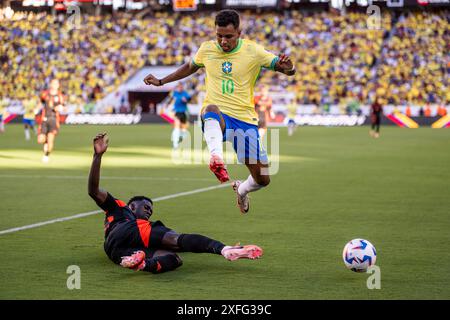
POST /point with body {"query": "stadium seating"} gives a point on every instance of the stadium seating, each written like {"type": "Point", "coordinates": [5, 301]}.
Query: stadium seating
{"type": "Point", "coordinates": [337, 57]}
{"type": "Point", "coordinates": [413, 68]}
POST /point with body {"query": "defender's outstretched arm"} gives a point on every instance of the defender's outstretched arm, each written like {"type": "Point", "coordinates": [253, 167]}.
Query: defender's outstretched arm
{"type": "Point", "coordinates": [100, 147]}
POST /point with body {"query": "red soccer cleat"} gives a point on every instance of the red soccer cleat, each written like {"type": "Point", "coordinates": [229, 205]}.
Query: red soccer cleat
{"type": "Point", "coordinates": [136, 261]}
{"type": "Point", "coordinates": [218, 167]}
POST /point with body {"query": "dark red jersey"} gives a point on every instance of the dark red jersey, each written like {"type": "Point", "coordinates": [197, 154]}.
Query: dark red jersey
{"type": "Point", "coordinates": [376, 108]}
{"type": "Point", "coordinates": [50, 102]}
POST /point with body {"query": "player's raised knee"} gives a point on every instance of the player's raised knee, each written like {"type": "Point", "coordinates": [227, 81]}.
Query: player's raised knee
{"type": "Point", "coordinates": [211, 108]}
{"type": "Point", "coordinates": [212, 112]}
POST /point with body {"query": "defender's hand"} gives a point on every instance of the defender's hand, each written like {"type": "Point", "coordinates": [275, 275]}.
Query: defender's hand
{"type": "Point", "coordinates": [152, 80]}
{"type": "Point", "coordinates": [285, 62]}
{"type": "Point", "coordinates": [101, 143]}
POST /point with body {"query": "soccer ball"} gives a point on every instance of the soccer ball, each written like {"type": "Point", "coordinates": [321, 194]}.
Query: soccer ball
{"type": "Point", "coordinates": [359, 255]}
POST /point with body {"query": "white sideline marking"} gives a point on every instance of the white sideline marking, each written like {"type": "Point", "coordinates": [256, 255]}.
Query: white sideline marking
{"type": "Point", "coordinates": [85, 214]}
{"type": "Point", "coordinates": [103, 178]}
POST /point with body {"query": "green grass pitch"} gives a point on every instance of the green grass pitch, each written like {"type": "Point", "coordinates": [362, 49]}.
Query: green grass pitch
{"type": "Point", "coordinates": [333, 185]}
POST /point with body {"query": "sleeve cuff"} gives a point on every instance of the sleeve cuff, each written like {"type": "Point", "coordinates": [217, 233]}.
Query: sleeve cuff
{"type": "Point", "coordinates": [274, 62]}
{"type": "Point", "coordinates": [197, 64]}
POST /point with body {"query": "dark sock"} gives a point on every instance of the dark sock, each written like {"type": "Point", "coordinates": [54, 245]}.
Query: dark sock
{"type": "Point", "coordinates": [199, 244]}
{"type": "Point", "coordinates": [161, 264]}
{"type": "Point", "coordinates": [47, 153]}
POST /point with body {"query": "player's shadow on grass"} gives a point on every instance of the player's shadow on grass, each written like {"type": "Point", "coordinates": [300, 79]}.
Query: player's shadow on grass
{"type": "Point", "coordinates": [224, 267]}
{"type": "Point", "coordinates": [128, 153]}
{"type": "Point", "coordinates": [13, 157]}
{"type": "Point", "coordinates": [193, 268]}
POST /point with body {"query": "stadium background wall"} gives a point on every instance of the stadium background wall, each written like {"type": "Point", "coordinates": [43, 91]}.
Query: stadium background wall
{"type": "Point", "coordinates": [152, 118]}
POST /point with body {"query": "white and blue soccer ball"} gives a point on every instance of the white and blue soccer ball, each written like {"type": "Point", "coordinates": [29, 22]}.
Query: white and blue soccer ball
{"type": "Point", "coordinates": [359, 255]}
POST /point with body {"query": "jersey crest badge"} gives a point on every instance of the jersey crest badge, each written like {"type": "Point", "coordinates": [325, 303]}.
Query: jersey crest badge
{"type": "Point", "coordinates": [227, 67]}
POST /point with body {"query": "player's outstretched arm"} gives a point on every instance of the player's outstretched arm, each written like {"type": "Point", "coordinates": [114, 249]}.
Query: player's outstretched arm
{"type": "Point", "coordinates": [285, 65]}
{"type": "Point", "coordinates": [182, 72]}
{"type": "Point", "coordinates": [100, 147]}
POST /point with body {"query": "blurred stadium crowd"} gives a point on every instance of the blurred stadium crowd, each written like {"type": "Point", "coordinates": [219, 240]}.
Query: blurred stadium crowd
{"type": "Point", "coordinates": [339, 60]}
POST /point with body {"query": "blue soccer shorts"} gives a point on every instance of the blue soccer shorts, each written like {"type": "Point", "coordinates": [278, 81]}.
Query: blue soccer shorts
{"type": "Point", "coordinates": [244, 137]}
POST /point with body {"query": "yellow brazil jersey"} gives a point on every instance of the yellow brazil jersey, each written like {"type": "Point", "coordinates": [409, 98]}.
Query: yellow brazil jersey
{"type": "Point", "coordinates": [2, 107]}
{"type": "Point", "coordinates": [30, 108]}
{"type": "Point", "coordinates": [292, 110]}
{"type": "Point", "coordinates": [231, 76]}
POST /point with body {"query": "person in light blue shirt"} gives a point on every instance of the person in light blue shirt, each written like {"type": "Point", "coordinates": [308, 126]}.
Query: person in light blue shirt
{"type": "Point", "coordinates": [180, 99]}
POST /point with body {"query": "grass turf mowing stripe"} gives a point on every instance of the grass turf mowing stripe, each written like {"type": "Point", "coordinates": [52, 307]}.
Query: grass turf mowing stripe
{"type": "Point", "coordinates": [85, 214]}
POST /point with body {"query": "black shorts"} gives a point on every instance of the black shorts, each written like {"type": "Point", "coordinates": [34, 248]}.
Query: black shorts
{"type": "Point", "coordinates": [159, 230]}
{"type": "Point", "coordinates": [376, 118]}
{"type": "Point", "coordinates": [181, 116]}
{"type": "Point", "coordinates": [124, 240]}
{"type": "Point", "coordinates": [48, 126]}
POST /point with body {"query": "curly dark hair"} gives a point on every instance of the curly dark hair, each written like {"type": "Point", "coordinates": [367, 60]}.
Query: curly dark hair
{"type": "Point", "coordinates": [139, 198]}
{"type": "Point", "coordinates": [226, 17]}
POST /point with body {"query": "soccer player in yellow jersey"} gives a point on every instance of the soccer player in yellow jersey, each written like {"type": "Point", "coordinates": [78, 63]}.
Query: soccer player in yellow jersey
{"type": "Point", "coordinates": [3, 105]}
{"type": "Point", "coordinates": [30, 107]}
{"type": "Point", "coordinates": [291, 114]}
{"type": "Point", "coordinates": [232, 67]}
